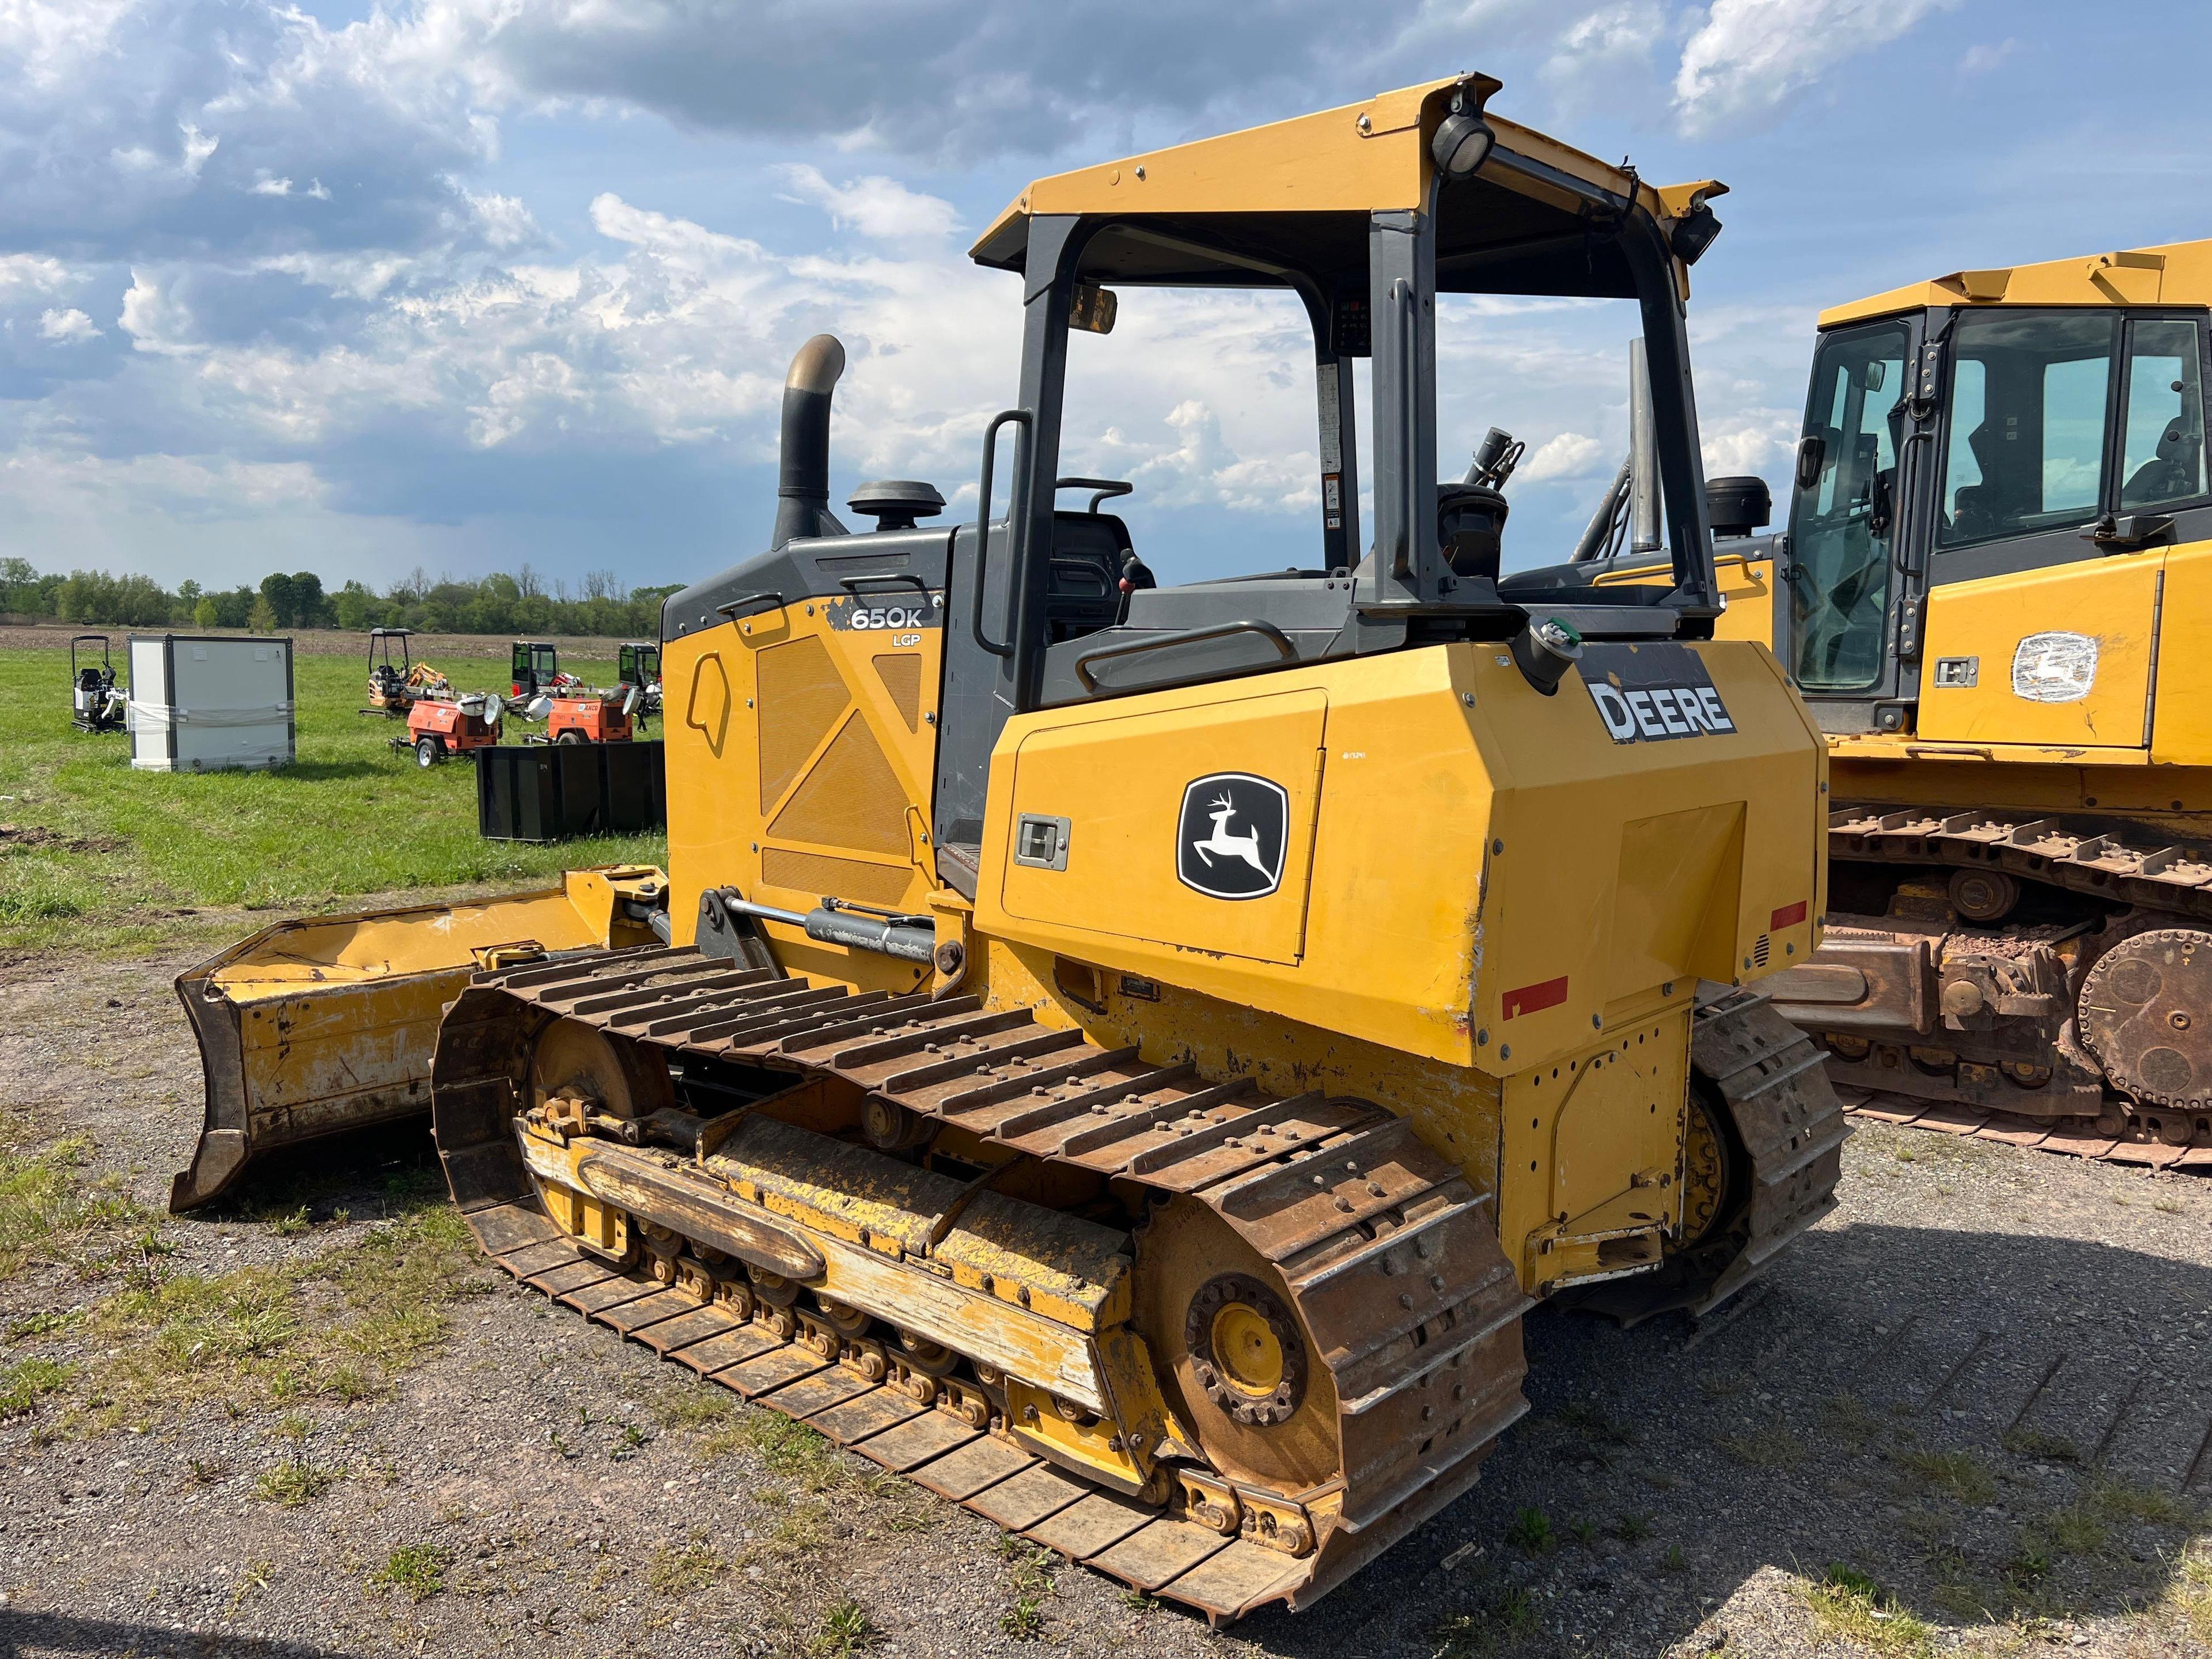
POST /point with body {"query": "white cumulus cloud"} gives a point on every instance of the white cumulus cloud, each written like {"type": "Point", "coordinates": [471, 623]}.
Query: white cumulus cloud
{"type": "Point", "coordinates": [1569, 455]}
{"type": "Point", "coordinates": [875, 206]}
{"type": "Point", "coordinates": [1748, 57]}
{"type": "Point", "coordinates": [266, 185]}
{"type": "Point", "coordinates": [55, 324]}
{"type": "Point", "coordinates": [1595, 58]}
{"type": "Point", "coordinates": [154, 318]}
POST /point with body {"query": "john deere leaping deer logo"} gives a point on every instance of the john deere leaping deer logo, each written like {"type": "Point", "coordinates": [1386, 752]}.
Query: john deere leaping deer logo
{"type": "Point", "coordinates": [1230, 845]}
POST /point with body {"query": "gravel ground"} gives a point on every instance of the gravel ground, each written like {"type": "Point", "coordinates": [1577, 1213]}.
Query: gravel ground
{"type": "Point", "coordinates": [1979, 1384]}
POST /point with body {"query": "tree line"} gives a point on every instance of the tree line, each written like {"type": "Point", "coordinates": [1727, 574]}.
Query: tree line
{"type": "Point", "coordinates": [502, 604]}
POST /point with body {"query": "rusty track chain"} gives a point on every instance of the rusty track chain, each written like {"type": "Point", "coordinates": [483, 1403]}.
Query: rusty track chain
{"type": "Point", "coordinates": [2079, 853]}
{"type": "Point", "coordinates": [2113, 861]}
{"type": "Point", "coordinates": [1392, 1259]}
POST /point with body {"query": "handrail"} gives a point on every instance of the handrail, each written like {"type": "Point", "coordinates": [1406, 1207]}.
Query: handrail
{"type": "Point", "coordinates": [898, 578]}
{"type": "Point", "coordinates": [1027, 422]}
{"type": "Point", "coordinates": [1405, 561]}
{"type": "Point", "coordinates": [1107, 489]}
{"type": "Point", "coordinates": [729, 607]}
{"type": "Point", "coordinates": [1267, 630]}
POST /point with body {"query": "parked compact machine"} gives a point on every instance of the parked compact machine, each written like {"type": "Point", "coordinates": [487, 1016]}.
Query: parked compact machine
{"type": "Point", "coordinates": [1132, 1071]}
{"type": "Point", "coordinates": [638, 664]}
{"type": "Point", "coordinates": [96, 702]}
{"type": "Point", "coordinates": [395, 688]}
{"type": "Point", "coordinates": [575, 712]}
{"type": "Point", "coordinates": [585, 713]}
{"type": "Point", "coordinates": [2001, 585]}
{"type": "Point", "coordinates": [535, 670]}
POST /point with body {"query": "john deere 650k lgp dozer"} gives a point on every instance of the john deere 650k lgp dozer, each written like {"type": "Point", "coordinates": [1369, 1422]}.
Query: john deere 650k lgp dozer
{"type": "Point", "coordinates": [1127, 1059]}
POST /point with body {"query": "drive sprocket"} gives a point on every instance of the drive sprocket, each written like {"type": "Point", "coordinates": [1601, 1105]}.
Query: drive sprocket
{"type": "Point", "coordinates": [2146, 1012]}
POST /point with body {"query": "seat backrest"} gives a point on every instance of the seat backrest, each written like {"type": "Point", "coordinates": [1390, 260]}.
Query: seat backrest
{"type": "Point", "coordinates": [1083, 590]}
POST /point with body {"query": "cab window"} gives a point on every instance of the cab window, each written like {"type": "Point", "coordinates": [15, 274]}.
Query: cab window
{"type": "Point", "coordinates": [2162, 455]}
{"type": "Point", "coordinates": [2029, 403]}
{"type": "Point", "coordinates": [1841, 519]}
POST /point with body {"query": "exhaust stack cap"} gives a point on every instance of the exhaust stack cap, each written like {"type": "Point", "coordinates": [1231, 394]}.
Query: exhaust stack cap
{"type": "Point", "coordinates": [802, 507]}
{"type": "Point", "coordinates": [896, 503]}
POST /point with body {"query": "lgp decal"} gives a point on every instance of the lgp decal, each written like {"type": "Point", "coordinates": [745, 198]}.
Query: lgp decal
{"type": "Point", "coordinates": [1230, 837]}
{"type": "Point", "coordinates": [870, 612]}
{"type": "Point", "coordinates": [2054, 667]}
{"type": "Point", "coordinates": [1653, 693]}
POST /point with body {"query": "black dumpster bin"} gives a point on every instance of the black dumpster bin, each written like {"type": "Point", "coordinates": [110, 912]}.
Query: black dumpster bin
{"type": "Point", "coordinates": [555, 792]}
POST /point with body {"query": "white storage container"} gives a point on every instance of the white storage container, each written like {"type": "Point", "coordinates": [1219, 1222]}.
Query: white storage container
{"type": "Point", "coordinates": [205, 703]}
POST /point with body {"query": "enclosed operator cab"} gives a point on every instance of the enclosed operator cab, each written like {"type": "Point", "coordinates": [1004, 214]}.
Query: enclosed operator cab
{"type": "Point", "coordinates": [2000, 488]}
{"type": "Point", "coordinates": [535, 667]}
{"type": "Point", "coordinates": [1998, 595]}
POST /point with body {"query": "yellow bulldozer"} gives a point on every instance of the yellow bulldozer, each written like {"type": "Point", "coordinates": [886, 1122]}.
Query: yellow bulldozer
{"type": "Point", "coordinates": [1127, 1056]}
{"type": "Point", "coordinates": [2000, 517]}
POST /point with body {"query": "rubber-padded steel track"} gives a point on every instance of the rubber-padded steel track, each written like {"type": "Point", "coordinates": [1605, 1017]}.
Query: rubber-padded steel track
{"type": "Point", "coordinates": [1391, 1258]}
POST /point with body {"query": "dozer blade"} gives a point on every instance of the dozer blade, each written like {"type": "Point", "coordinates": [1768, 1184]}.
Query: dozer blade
{"type": "Point", "coordinates": [326, 1023]}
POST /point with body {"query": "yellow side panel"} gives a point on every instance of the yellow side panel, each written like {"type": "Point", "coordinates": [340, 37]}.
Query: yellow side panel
{"type": "Point", "coordinates": [802, 749]}
{"type": "Point", "coordinates": [1590, 1147]}
{"type": "Point", "coordinates": [1495, 881]}
{"type": "Point", "coordinates": [1747, 585]}
{"type": "Point", "coordinates": [2059, 656]}
{"type": "Point", "coordinates": [1121, 875]}
{"type": "Point", "coordinates": [2181, 721]}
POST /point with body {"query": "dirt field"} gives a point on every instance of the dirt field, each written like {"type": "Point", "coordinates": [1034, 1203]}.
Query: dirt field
{"type": "Point", "coordinates": [1957, 1417]}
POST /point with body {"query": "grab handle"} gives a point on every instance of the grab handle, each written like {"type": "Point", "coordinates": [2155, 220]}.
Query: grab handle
{"type": "Point", "coordinates": [1267, 630]}
{"type": "Point", "coordinates": [1027, 422]}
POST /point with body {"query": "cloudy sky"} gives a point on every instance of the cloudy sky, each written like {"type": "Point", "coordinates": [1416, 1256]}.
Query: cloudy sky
{"type": "Point", "coordinates": [463, 283]}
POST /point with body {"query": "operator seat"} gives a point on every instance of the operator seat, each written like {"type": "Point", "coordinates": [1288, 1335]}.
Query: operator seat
{"type": "Point", "coordinates": [2170, 474]}
{"type": "Point", "coordinates": [1975, 509]}
{"type": "Point", "coordinates": [1082, 590]}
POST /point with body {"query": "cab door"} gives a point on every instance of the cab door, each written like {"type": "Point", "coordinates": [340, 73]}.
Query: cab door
{"type": "Point", "coordinates": [2074, 442]}
{"type": "Point", "coordinates": [1842, 579]}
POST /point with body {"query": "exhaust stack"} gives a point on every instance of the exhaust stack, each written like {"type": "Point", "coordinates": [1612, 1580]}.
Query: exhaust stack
{"type": "Point", "coordinates": [802, 507]}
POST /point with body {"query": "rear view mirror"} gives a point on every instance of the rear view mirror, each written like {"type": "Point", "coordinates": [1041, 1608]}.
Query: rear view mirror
{"type": "Point", "coordinates": [1877, 371]}
{"type": "Point", "coordinates": [1091, 308]}
{"type": "Point", "coordinates": [1812, 456]}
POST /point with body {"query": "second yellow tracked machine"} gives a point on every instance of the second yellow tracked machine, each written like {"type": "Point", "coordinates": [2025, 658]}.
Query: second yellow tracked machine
{"type": "Point", "coordinates": [1127, 1056]}
{"type": "Point", "coordinates": [1999, 522]}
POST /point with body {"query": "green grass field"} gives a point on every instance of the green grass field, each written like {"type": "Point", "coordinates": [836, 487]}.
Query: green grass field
{"type": "Point", "coordinates": [94, 855]}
